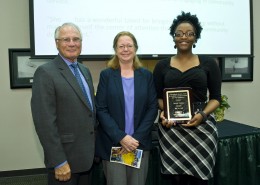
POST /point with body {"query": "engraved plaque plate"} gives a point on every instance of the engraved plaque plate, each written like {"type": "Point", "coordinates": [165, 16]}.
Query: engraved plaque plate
{"type": "Point", "coordinates": [177, 103]}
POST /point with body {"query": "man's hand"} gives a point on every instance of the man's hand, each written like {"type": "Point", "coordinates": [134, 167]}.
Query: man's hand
{"type": "Point", "coordinates": [63, 173]}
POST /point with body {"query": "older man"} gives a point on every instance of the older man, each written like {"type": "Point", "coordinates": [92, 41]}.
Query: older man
{"type": "Point", "coordinates": [63, 111]}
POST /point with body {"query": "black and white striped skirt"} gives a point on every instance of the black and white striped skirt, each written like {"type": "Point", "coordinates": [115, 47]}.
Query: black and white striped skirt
{"type": "Point", "coordinates": [190, 151]}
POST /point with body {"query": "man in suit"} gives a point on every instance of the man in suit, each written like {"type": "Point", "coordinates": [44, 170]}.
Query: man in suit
{"type": "Point", "coordinates": [63, 116]}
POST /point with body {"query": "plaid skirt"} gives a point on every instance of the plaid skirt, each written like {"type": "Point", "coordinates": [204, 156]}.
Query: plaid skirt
{"type": "Point", "coordinates": [190, 151]}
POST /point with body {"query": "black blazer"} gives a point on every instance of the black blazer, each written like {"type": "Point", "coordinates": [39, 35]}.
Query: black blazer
{"type": "Point", "coordinates": [62, 118]}
{"type": "Point", "coordinates": [111, 111]}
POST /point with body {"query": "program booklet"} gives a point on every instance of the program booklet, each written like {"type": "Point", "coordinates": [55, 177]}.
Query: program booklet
{"type": "Point", "coordinates": [132, 159]}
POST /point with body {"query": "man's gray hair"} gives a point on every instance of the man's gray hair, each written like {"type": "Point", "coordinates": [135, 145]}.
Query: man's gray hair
{"type": "Point", "coordinates": [68, 24]}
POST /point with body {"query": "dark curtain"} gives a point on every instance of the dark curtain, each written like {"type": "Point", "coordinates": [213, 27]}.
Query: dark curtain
{"type": "Point", "coordinates": [238, 161]}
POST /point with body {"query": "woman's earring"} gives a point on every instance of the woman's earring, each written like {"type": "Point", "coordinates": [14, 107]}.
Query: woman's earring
{"type": "Point", "coordinates": [194, 46]}
{"type": "Point", "coordinates": [174, 43]}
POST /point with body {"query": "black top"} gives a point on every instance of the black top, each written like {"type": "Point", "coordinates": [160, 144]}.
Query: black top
{"type": "Point", "coordinates": [205, 76]}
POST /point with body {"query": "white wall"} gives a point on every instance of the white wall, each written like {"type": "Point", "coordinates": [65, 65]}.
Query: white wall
{"type": "Point", "coordinates": [244, 96]}
{"type": "Point", "coordinates": [19, 145]}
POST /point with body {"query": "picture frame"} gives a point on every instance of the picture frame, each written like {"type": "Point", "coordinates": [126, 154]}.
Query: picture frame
{"type": "Point", "coordinates": [22, 67]}
{"type": "Point", "coordinates": [237, 69]}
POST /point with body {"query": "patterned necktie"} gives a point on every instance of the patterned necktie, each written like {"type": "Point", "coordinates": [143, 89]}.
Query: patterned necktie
{"type": "Point", "coordinates": [77, 75]}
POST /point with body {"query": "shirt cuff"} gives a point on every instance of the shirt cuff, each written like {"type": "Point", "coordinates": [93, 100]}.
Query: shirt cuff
{"type": "Point", "coordinates": [60, 165]}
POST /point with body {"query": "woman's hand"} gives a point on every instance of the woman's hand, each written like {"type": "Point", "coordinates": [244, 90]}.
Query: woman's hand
{"type": "Point", "coordinates": [165, 122]}
{"type": "Point", "coordinates": [129, 143]}
{"type": "Point", "coordinates": [123, 151]}
{"type": "Point", "coordinates": [195, 121]}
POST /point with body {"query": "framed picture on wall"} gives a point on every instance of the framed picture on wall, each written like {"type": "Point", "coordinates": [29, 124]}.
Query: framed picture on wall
{"type": "Point", "coordinates": [22, 68]}
{"type": "Point", "coordinates": [237, 69]}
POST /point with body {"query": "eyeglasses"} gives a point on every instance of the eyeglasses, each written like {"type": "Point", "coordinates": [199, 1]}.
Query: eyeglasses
{"type": "Point", "coordinates": [187, 34]}
{"type": "Point", "coordinates": [65, 40]}
{"type": "Point", "coordinates": [121, 47]}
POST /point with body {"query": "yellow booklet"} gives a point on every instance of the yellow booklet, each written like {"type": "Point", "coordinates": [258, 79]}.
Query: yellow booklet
{"type": "Point", "coordinates": [132, 159]}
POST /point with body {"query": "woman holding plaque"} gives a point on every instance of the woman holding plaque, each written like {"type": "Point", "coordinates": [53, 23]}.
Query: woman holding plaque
{"type": "Point", "coordinates": [188, 148]}
{"type": "Point", "coordinates": [126, 110]}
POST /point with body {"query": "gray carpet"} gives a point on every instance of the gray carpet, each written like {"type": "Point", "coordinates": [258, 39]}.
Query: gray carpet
{"type": "Point", "coordinates": [25, 180]}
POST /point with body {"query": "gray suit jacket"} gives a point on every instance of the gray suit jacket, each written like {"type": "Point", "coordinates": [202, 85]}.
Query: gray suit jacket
{"type": "Point", "coordinates": [63, 121]}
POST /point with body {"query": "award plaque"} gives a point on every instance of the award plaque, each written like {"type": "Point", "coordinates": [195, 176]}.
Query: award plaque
{"type": "Point", "coordinates": [177, 103]}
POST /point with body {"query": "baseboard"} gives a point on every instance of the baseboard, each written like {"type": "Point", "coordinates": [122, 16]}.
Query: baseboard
{"type": "Point", "coordinates": [24, 172]}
